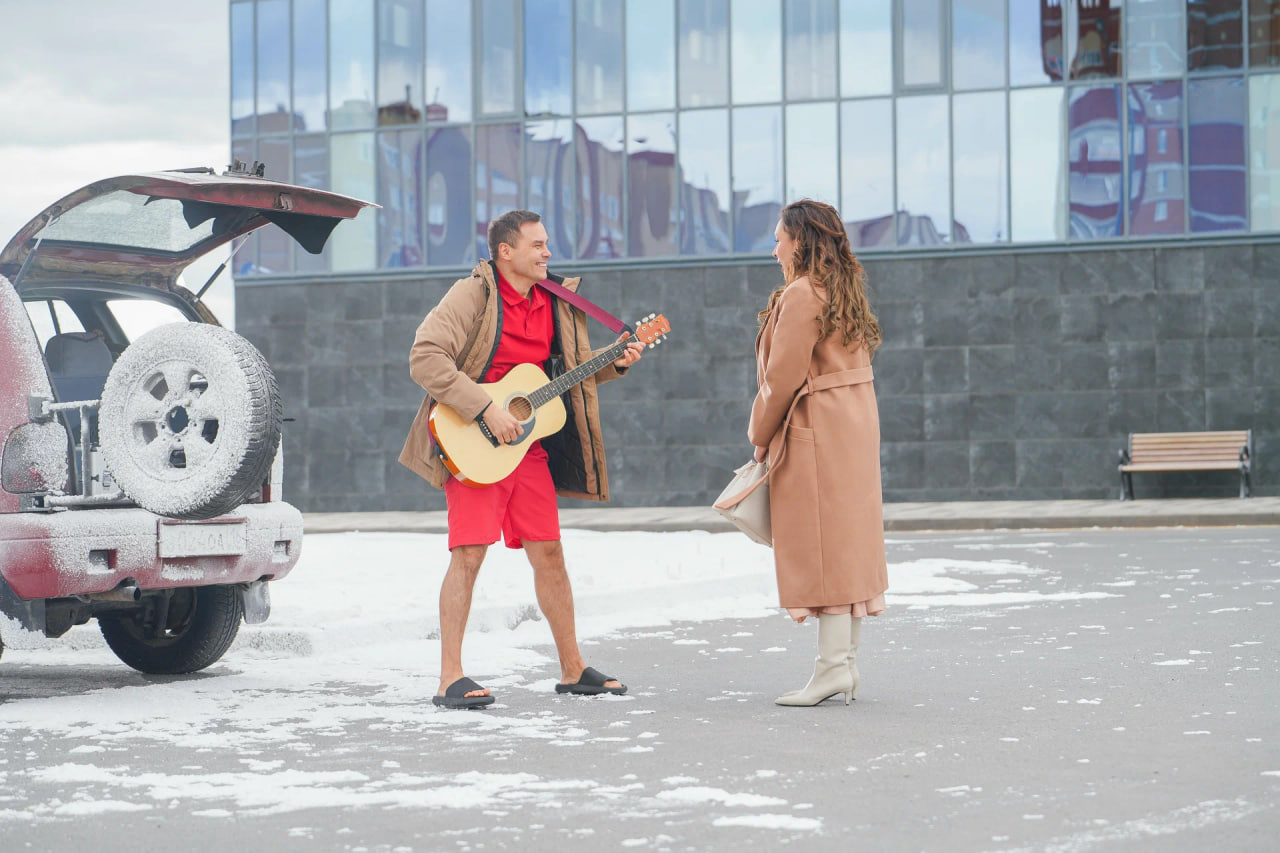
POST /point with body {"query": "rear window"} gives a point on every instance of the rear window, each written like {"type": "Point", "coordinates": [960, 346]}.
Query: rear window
{"type": "Point", "coordinates": [127, 219]}
{"type": "Point", "coordinates": [51, 316]}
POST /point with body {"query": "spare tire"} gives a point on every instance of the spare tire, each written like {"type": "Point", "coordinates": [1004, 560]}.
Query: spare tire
{"type": "Point", "coordinates": [190, 420]}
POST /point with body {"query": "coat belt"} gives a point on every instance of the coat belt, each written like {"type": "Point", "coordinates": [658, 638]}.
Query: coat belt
{"type": "Point", "coordinates": [852, 376]}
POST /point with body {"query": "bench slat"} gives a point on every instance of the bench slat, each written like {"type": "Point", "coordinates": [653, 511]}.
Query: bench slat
{"type": "Point", "coordinates": [1182, 466]}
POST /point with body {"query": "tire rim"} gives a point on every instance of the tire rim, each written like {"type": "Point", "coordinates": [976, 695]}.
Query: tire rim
{"type": "Point", "coordinates": [173, 419]}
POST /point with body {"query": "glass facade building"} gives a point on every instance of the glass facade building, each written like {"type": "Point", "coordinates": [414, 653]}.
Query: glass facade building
{"type": "Point", "coordinates": [675, 129]}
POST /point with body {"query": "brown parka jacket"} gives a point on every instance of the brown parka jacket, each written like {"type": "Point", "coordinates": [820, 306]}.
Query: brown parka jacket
{"type": "Point", "coordinates": [454, 347]}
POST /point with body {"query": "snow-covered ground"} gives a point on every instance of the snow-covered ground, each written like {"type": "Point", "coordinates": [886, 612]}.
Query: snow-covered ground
{"type": "Point", "coordinates": [360, 609]}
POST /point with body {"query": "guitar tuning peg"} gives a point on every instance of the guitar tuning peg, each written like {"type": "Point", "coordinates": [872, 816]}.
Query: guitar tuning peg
{"type": "Point", "coordinates": [651, 316]}
{"type": "Point", "coordinates": [651, 346]}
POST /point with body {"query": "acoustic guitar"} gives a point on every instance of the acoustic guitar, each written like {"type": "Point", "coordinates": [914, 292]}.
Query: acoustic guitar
{"type": "Point", "coordinates": [476, 457]}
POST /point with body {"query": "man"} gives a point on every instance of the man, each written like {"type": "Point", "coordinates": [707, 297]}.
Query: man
{"type": "Point", "coordinates": [485, 325]}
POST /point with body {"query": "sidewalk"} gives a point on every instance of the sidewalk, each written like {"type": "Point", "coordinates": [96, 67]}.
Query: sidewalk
{"type": "Point", "coordinates": [898, 517]}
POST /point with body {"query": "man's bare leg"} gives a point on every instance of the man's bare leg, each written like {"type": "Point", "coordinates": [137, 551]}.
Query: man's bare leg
{"type": "Point", "coordinates": [455, 607]}
{"type": "Point", "coordinates": [555, 598]}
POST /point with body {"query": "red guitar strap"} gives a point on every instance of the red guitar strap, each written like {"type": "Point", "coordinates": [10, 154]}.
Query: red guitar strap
{"type": "Point", "coordinates": [585, 305]}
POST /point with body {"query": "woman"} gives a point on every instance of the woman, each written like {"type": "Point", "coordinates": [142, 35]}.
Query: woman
{"type": "Point", "coordinates": [815, 419]}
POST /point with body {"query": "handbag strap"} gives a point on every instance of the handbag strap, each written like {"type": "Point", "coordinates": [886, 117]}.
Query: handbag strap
{"type": "Point", "coordinates": [585, 305]}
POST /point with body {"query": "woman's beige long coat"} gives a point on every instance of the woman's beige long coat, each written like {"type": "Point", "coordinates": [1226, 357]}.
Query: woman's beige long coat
{"type": "Point", "coordinates": [824, 491]}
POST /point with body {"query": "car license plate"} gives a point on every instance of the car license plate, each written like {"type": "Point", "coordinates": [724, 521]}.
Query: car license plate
{"type": "Point", "coordinates": [203, 538]}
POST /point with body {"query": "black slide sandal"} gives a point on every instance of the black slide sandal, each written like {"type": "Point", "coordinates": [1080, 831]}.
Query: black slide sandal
{"type": "Point", "coordinates": [591, 683]}
{"type": "Point", "coordinates": [455, 695]}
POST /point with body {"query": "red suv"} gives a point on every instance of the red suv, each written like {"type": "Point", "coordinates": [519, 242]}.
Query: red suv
{"type": "Point", "coordinates": [140, 462]}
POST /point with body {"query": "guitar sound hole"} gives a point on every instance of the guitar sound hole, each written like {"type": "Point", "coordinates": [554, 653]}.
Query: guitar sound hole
{"type": "Point", "coordinates": [520, 408]}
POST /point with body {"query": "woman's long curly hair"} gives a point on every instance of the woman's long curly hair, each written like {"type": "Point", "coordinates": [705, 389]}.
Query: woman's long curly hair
{"type": "Point", "coordinates": [822, 253]}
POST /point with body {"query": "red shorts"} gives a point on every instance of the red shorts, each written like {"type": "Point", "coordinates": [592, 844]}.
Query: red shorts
{"type": "Point", "coordinates": [521, 506]}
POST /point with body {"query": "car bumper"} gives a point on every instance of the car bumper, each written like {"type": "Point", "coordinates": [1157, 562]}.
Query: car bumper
{"type": "Point", "coordinates": [81, 552]}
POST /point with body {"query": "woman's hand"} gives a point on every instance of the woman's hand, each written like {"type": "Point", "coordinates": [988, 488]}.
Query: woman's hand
{"type": "Point", "coordinates": [760, 453]}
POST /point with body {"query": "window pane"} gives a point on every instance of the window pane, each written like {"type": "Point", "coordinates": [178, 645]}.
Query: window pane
{"type": "Point", "coordinates": [400, 194]}
{"type": "Point", "coordinates": [310, 169]}
{"type": "Point", "coordinates": [757, 177]}
{"type": "Point", "coordinates": [448, 88]}
{"type": "Point", "coordinates": [273, 67]}
{"type": "Point", "coordinates": [599, 56]}
{"type": "Point", "coordinates": [1215, 37]}
{"type": "Point", "coordinates": [600, 146]}
{"type": "Point", "coordinates": [811, 49]}
{"type": "Point", "coordinates": [351, 65]}
{"type": "Point", "coordinates": [651, 54]}
{"type": "Point", "coordinates": [866, 172]}
{"type": "Point", "coordinates": [980, 168]}
{"type": "Point", "coordinates": [651, 185]}
{"type": "Point", "coordinates": [1094, 148]}
{"type": "Point", "coordinates": [757, 51]}
{"type": "Point", "coordinates": [548, 42]}
{"type": "Point", "coordinates": [704, 182]}
{"type": "Point", "coordinates": [273, 244]}
{"type": "Point", "coordinates": [977, 48]}
{"type": "Point", "coordinates": [924, 171]}
{"type": "Point", "coordinates": [450, 221]}
{"type": "Point", "coordinates": [813, 166]}
{"type": "Point", "coordinates": [704, 52]}
{"type": "Point", "coordinates": [1264, 148]}
{"type": "Point", "coordinates": [549, 161]}
{"type": "Point", "coordinates": [1264, 33]}
{"type": "Point", "coordinates": [310, 34]}
{"type": "Point", "coordinates": [399, 62]}
{"type": "Point", "coordinates": [1035, 43]}
{"type": "Point", "coordinates": [1157, 188]}
{"type": "Point", "coordinates": [241, 69]}
{"type": "Point", "coordinates": [1155, 38]}
{"type": "Point", "coordinates": [498, 178]}
{"type": "Point", "coordinates": [1215, 122]}
{"type": "Point", "coordinates": [866, 47]}
{"type": "Point", "coordinates": [354, 246]}
{"type": "Point", "coordinates": [921, 49]}
{"type": "Point", "coordinates": [1037, 165]}
{"type": "Point", "coordinates": [497, 57]}
{"type": "Point", "coordinates": [1097, 39]}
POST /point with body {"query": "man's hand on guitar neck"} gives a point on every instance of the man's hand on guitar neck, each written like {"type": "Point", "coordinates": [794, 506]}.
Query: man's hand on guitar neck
{"type": "Point", "coordinates": [635, 349]}
{"type": "Point", "coordinates": [501, 423]}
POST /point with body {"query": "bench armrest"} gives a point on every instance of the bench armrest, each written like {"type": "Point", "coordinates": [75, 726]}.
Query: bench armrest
{"type": "Point", "coordinates": [1124, 456]}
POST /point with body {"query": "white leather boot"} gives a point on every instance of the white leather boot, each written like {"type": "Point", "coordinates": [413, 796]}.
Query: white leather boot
{"type": "Point", "coordinates": [855, 636]}
{"type": "Point", "coordinates": [831, 673]}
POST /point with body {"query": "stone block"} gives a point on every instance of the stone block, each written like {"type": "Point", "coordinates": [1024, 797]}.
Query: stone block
{"type": "Point", "coordinates": [1084, 415]}
{"type": "Point", "coordinates": [1087, 272]}
{"type": "Point", "coordinates": [1266, 303]}
{"type": "Point", "coordinates": [1040, 464]}
{"type": "Point", "coordinates": [1228, 363]}
{"type": "Point", "coordinates": [326, 386]}
{"type": "Point", "coordinates": [1180, 315]}
{"type": "Point", "coordinates": [902, 465]}
{"type": "Point", "coordinates": [899, 372]}
{"type": "Point", "coordinates": [991, 416]}
{"type": "Point", "coordinates": [1133, 271]}
{"type": "Point", "coordinates": [1179, 365]}
{"type": "Point", "coordinates": [1081, 319]}
{"type": "Point", "coordinates": [1178, 411]}
{"type": "Point", "coordinates": [992, 464]}
{"type": "Point", "coordinates": [992, 369]}
{"type": "Point", "coordinates": [1179, 270]}
{"type": "Point", "coordinates": [946, 465]}
{"type": "Point", "coordinates": [1131, 365]}
{"type": "Point", "coordinates": [901, 418]}
{"type": "Point", "coordinates": [901, 324]}
{"type": "Point", "coordinates": [946, 370]}
{"type": "Point", "coordinates": [1039, 416]}
{"type": "Point", "coordinates": [1231, 408]}
{"type": "Point", "coordinates": [946, 323]}
{"type": "Point", "coordinates": [1037, 319]}
{"type": "Point", "coordinates": [1084, 367]}
{"type": "Point", "coordinates": [946, 417]}
{"type": "Point", "coordinates": [1129, 317]}
{"type": "Point", "coordinates": [1229, 313]}
{"type": "Point", "coordinates": [1038, 366]}
{"type": "Point", "coordinates": [991, 321]}
{"type": "Point", "coordinates": [1038, 274]}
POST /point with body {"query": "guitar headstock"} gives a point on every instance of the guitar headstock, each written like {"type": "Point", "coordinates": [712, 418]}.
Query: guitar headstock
{"type": "Point", "coordinates": [652, 330]}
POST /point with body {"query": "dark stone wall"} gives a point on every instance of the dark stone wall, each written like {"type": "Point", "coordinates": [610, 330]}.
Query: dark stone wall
{"type": "Point", "coordinates": [1002, 376]}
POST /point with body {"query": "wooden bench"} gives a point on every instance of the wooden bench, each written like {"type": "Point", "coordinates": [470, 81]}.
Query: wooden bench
{"type": "Point", "coordinates": [1227, 450]}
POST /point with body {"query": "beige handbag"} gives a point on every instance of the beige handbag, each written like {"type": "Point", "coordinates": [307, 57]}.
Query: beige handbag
{"type": "Point", "coordinates": [745, 501]}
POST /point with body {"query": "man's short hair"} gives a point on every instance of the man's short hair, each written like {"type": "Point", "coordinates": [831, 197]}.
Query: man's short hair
{"type": "Point", "coordinates": [506, 228]}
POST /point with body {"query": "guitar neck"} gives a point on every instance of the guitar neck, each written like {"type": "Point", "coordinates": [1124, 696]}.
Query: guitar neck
{"type": "Point", "coordinates": [563, 383]}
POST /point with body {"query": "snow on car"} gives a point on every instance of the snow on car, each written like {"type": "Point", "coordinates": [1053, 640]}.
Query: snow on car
{"type": "Point", "coordinates": [140, 463]}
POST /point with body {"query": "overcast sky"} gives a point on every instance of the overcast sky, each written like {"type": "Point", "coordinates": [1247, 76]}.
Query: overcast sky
{"type": "Point", "coordinates": [92, 89]}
